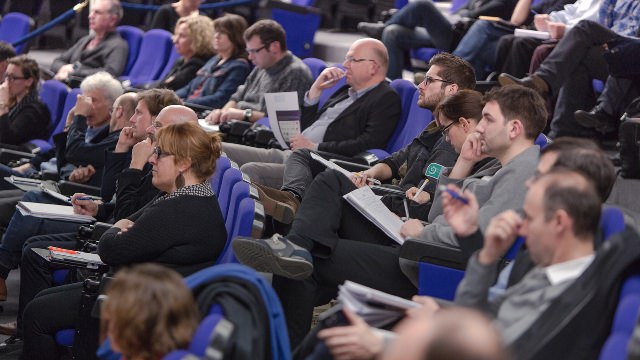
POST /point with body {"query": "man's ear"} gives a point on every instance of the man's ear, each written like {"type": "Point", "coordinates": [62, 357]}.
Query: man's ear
{"type": "Point", "coordinates": [516, 128]}
{"type": "Point", "coordinates": [453, 88]}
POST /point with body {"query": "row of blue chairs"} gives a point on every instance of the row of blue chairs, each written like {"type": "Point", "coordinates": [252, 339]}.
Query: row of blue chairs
{"type": "Point", "coordinates": [13, 27]}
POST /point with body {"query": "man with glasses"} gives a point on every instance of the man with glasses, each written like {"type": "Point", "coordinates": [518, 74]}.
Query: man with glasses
{"type": "Point", "coordinates": [102, 50]}
{"type": "Point", "coordinates": [276, 70]}
{"type": "Point", "coordinates": [361, 115]}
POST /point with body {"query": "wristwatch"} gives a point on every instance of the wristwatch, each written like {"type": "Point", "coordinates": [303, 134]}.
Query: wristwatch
{"type": "Point", "coordinates": [247, 114]}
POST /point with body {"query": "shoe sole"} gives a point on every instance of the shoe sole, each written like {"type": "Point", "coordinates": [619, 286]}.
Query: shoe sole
{"type": "Point", "coordinates": [261, 257]}
{"type": "Point", "coordinates": [278, 210]}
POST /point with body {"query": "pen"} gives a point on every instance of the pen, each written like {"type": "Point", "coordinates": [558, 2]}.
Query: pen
{"type": "Point", "coordinates": [331, 81]}
{"type": "Point", "coordinates": [83, 198]}
{"type": "Point", "coordinates": [421, 188]}
{"type": "Point", "coordinates": [454, 194]}
{"type": "Point", "coordinates": [375, 181]}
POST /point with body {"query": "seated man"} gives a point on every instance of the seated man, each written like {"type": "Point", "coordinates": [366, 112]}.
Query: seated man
{"type": "Point", "coordinates": [276, 70]}
{"type": "Point", "coordinates": [478, 46]}
{"type": "Point", "coordinates": [513, 53]}
{"type": "Point", "coordinates": [323, 250]}
{"type": "Point", "coordinates": [102, 50]}
{"type": "Point", "coordinates": [560, 220]}
{"type": "Point", "coordinates": [421, 24]}
{"type": "Point", "coordinates": [577, 59]}
{"type": "Point", "coordinates": [6, 52]}
{"type": "Point", "coordinates": [362, 115]}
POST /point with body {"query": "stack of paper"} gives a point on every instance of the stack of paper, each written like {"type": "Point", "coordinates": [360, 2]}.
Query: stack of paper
{"type": "Point", "coordinates": [375, 307]}
{"type": "Point", "coordinates": [53, 212]}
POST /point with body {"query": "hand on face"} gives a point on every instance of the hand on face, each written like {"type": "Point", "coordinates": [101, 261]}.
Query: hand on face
{"type": "Point", "coordinates": [499, 236]}
{"type": "Point", "coordinates": [141, 153]}
{"type": "Point", "coordinates": [126, 140]}
{"type": "Point", "coordinates": [83, 105]}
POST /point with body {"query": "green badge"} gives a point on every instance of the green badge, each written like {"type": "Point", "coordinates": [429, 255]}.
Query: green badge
{"type": "Point", "coordinates": [434, 170]}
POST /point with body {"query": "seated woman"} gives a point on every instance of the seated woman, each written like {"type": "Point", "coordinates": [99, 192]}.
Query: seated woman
{"type": "Point", "coordinates": [23, 116]}
{"type": "Point", "coordinates": [220, 77]}
{"type": "Point", "coordinates": [148, 312]}
{"type": "Point", "coordinates": [182, 229]}
{"type": "Point", "coordinates": [193, 40]}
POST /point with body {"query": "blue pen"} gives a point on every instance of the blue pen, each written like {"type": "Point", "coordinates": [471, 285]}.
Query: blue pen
{"type": "Point", "coordinates": [83, 198]}
{"type": "Point", "coordinates": [454, 194]}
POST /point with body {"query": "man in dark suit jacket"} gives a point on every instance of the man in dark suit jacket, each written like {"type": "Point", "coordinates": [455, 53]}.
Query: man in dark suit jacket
{"type": "Point", "coordinates": [359, 116]}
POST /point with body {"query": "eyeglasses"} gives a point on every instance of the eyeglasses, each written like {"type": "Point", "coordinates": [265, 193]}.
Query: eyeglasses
{"type": "Point", "coordinates": [445, 130]}
{"type": "Point", "coordinates": [428, 80]}
{"type": "Point", "coordinates": [351, 59]}
{"type": "Point", "coordinates": [255, 51]}
{"type": "Point", "coordinates": [159, 153]}
{"type": "Point", "coordinates": [12, 77]}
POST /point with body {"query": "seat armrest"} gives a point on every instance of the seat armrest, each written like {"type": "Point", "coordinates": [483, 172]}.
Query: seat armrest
{"type": "Point", "coordinates": [69, 188]}
{"type": "Point", "coordinates": [8, 155]}
{"type": "Point", "coordinates": [351, 166]}
{"type": "Point", "coordinates": [433, 253]}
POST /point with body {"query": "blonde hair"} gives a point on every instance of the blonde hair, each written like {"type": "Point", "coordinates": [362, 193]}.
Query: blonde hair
{"type": "Point", "coordinates": [150, 311]}
{"type": "Point", "coordinates": [201, 33]}
{"type": "Point", "coordinates": [189, 142]}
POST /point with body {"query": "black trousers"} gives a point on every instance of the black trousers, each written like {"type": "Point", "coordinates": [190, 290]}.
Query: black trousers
{"type": "Point", "coordinates": [513, 54]}
{"type": "Point", "coordinates": [344, 245]}
{"type": "Point", "coordinates": [36, 273]}
{"type": "Point", "coordinates": [569, 70]}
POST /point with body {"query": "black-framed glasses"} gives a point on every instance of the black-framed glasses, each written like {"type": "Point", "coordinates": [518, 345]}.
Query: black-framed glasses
{"type": "Point", "coordinates": [255, 51]}
{"type": "Point", "coordinates": [445, 130]}
{"type": "Point", "coordinates": [159, 153]}
{"type": "Point", "coordinates": [428, 80]}
{"type": "Point", "coordinates": [351, 59]}
{"type": "Point", "coordinates": [12, 77]}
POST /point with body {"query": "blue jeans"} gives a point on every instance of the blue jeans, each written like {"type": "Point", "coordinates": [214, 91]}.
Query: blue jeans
{"type": "Point", "coordinates": [22, 228]}
{"type": "Point", "coordinates": [400, 33]}
{"type": "Point", "coordinates": [479, 46]}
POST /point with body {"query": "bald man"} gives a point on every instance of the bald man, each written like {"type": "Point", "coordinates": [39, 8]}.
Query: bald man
{"type": "Point", "coordinates": [361, 115]}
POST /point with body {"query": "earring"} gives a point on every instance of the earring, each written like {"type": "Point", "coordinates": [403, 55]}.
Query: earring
{"type": "Point", "coordinates": [179, 180]}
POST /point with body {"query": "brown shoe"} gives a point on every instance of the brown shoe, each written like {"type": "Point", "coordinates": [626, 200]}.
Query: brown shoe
{"type": "Point", "coordinates": [9, 328]}
{"type": "Point", "coordinates": [280, 205]}
{"type": "Point", "coordinates": [3, 290]}
{"type": "Point", "coordinates": [534, 82]}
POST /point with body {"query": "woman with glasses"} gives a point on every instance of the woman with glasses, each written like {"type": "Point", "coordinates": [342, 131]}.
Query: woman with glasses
{"type": "Point", "coordinates": [182, 229]}
{"type": "Point", "coordinates": [193, 40]}
{"type": "Point", "coordinates": [220, 77]}
{"type": "Point", "coordinates": [23, 116]}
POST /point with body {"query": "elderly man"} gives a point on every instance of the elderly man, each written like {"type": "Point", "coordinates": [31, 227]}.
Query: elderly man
{"type": "Point", "coordinates": [361, 115]}
{"type": "Point", "coordinates": [276, 70]}
{"type": "Point", "coordinates": [102, 50]}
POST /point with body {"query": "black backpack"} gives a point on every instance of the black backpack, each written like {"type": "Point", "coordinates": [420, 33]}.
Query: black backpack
{"type": "Point", "coordinates": [629, 135]}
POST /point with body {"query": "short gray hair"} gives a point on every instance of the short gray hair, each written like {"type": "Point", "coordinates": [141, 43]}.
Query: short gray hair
{"type": "Point", "coordinates": [116, 9]}
{"type": "Point", "coordinates": [103, 82]}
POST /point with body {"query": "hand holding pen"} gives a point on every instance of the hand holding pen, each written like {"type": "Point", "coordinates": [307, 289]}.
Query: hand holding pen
{"type": "Point", "coordinates": [459, 209]}
{"type": "Point", "coordinates": [418, 194]}
{"type": "Point", "coordinates": [84, 205]}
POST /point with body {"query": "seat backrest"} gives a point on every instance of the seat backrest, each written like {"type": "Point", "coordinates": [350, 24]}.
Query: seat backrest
{"type": "Point", "coordinates": [240, 190]}
{"type": "Point", "coordinates": [229, 179]}
{"type": "Point", "coordinates": [300, 30]}
{"type": "Point", "coordinates": [315, 65]}
{"type": "Point", "coordinates": [611, 221]}
{"type": "Point", "coordinates": [249, 220]}
{"type": "Point", "coordinates": [69, 103]}
{"type": "Point", "coordinates": [13, 27]}
{"type": "Point", "coordinates": [152, 58]}
{"type": "Point", "coordinates": [542, 140]}
{"type": "Point", "coordinates": [54, 93]}
{"type": "Point", "coordinates": [417, 119]}
{"type": "Point", "coordinates": [406, 90]}
{"type": "Point", "coordinates": [277, 330]}
{"type": "Point", "coordinates": [222, 164]}
{"type": "Point", "coordinates": [133, 36]}
{"type": "Point", "coordinates": [173, 56]}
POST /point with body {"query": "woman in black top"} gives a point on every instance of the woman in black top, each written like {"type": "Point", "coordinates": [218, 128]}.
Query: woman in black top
{"type": "Point", "coordinates": [193, 40]}
{"type": "Point", "coordinates": [23, 116]}
{"type": "Point", "coordinates": [182, 229]}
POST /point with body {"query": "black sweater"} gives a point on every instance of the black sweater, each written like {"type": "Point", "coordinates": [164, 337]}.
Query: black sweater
{"type": "Point", "coordinates": [186, 233]}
